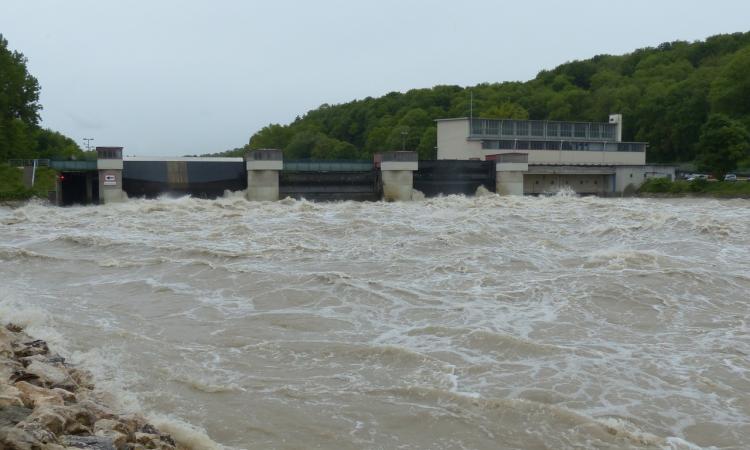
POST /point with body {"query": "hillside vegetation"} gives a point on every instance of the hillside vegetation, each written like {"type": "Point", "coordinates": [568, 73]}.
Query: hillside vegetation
{"type": "Point", "coordinates": [667, 95]}
{"type": "Point", "coordinates": [21, 137]}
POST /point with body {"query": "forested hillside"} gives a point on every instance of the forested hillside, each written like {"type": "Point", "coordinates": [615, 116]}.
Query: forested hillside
{"type": "Point", "coordinates": [666, 94]}
{"type": "Point", "coordinates": [20, 133]}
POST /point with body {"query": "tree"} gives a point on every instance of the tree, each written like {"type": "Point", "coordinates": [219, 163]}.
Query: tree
{"type": "Point", "coordinates": [506, 110]}
{"type": "Point", "coordinates": [730, 91]}
{"type": "Point", "coordinates": [271, 136]}
{"type": "Point", "coordinates": [723, 143]}
{"type": "Point", "coordinates": [665, 93]}
{"type": "Point", "coordinates": [19, 105]}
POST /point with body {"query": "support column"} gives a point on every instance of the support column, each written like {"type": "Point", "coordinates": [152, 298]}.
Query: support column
{"type": "Point", "coordinates": [397, 172]}
{"type": "Point", "coordinates": [109, 164]}
{"type": "Point", "coordinates": [263, 167]}
{"type": "Point", "coordinates": [509, 169]}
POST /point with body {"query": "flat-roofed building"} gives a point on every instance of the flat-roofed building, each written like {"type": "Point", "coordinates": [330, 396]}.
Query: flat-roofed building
{"type": "Point", "coordinates": [587, 157]}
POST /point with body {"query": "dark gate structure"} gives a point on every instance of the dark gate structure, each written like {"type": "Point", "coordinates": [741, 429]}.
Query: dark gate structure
{"type": "Point", "coordinates": [445, 177]}
{"type": "Point", "coordinates": [330, 180]}
{"type": "Point", "coordinates": [199, 178]}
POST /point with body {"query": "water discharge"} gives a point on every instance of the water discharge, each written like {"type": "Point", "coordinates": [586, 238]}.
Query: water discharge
{"type": "Point", "coordinates": [476, 323]}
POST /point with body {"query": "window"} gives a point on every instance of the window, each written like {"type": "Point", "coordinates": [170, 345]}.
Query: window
{"type": "Point", "coordinates": [522, 128]}
{"type": "Point", "coordinates": [580, 130]}
{"type": "Point", "coordinates": [537, 129]}
{"type": "Point", "coordinates": [522, 145]}
{"type": "Point", "coordinates": [566, 145]}
{"type": "Point", "coordinates": [552, 129]}
{"type": "Point", "coordinates": [506, 145]}
{"type": "Point", "coordinates": [594, 131]}
{"type": "Point", "coordinates": [493, 127]}
{"type": "Point", "coordinates": [536, 145]}
{"type": "Point", "coordinates": [566, 130]}
{"type": "Point", "coordinates": [476, 127]}
{"type": "Point", "coordinates": [609, 131]}
{"type": "Point", "coordinates": [553, 145]}
{"type": "Point", "coordinates": [508, 127]}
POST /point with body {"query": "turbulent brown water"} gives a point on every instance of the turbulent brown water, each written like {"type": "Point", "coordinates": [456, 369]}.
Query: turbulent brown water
{"type": "Point", "coordinates": [475, 323]}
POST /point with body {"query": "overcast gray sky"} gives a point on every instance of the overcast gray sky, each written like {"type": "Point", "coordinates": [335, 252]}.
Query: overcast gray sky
{"type": "Point", "coordinates": [173, 77]}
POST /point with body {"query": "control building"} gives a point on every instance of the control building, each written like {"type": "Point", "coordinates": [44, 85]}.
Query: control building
{"type": "Point", "coordinates": [587, 157]}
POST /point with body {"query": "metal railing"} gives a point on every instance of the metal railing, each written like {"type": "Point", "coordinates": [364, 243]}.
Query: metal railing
{"type": "Point", "coordinates": [592, 146]}
{"type": "Point", "coordinates": [306, 165]}
{"type": "Point", "coordinates": [82, 165]}
{"type": "Point", "coordinates": [264, 155]}
{"type": "Point", "coordinates": [543, 129]}
{"type": "Point", "coordinates": [28, 162]}
{"type": "Point", "coordinates": [399, 157]}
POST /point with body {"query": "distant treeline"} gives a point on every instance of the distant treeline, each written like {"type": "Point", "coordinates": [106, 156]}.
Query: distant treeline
{"type": "Point", "coordinates": [667, 95]}
{"type": "Point", "coordinates": [20, 134]}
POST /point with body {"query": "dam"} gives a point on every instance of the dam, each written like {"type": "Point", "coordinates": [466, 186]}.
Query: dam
{"type": "Point", "coordinates": [266, 176]}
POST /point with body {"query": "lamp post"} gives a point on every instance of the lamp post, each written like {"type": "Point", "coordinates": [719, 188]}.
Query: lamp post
{"type": "Point", "coordinates": [403, 139]}
{"type": "Point", "coordinates": [88, 143]}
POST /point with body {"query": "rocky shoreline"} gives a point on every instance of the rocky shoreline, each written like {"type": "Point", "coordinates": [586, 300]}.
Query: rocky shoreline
{"type": "Point", "coordinates": [47, 404]}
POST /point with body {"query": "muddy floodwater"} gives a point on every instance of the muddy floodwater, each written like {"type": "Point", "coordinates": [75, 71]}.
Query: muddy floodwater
{"type": "Point", "coordinates": [449, 323]}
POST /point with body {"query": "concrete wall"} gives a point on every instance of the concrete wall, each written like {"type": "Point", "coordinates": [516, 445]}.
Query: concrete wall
{"type": "Point", "coordinates": [510, 183]}
{"type": "Point", "coordinates": [452, 143]}
{"type": "Point", "coordinates": [629, 178]}
{"type": "Point", "coordinates": [550, 183]}
{"type": "Point", "coordinates": [263, 185]}
{"type": "Point", "coordinates": [397, 184]}
{"type": "Point", "coordinates": [110, 191]}
{"type": "Point", "coordinates": [585, 157]}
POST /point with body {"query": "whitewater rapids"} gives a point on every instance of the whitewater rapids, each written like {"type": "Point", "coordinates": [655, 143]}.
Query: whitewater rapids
{"type": "Point", "coordinates": [476, 323]}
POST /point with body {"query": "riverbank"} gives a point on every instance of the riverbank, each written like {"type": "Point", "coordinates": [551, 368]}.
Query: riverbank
{"type": "Point", "coordinates": [46, 403]}
{"type": "Point", "coordinates": [12, 188]}
{"type": "Point", "coordinates": [664, 188]}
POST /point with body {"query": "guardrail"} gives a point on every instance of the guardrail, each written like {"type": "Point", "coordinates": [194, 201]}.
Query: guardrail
{"type": "Point", "coordinates": [264, 155]}
{"type": "Point", "coordinates": [399, 157]}
{"type": "Point", "coordinates": [82, 165]}
{"type": "Point", "coordinates": [304, 165]}
{"type": "Point", "coordinates": [28, 162]}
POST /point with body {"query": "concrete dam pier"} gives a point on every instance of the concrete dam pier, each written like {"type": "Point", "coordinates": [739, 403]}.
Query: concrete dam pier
{"type": "Point", "coordinates": [265, 176]}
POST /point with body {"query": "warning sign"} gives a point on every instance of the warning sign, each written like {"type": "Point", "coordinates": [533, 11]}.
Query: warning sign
{"type": "Point", "coordinates": [110, 180]}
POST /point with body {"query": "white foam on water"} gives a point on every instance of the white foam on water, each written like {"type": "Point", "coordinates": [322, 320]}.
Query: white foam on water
{"type": "Point", "coordinates": [294, 312]}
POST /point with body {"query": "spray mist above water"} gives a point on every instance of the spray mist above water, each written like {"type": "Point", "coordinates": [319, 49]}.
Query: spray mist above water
{"type": "Point", "coordinates": [482, 322]}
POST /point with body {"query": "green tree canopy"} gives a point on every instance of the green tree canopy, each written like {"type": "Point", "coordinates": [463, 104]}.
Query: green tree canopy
{"type": "Point", "coordinates": [665, 93]}
{"type": "Point", "coordinates": [20, 134]}
{"type": "Point", "coordinates": [723, 143]}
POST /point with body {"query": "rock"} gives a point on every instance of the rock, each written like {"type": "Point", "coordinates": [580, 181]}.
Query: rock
{"type": "Point", "coordinates": [46, 418]}
{"type": "Point", "coordinates": [29, 348]}
{"type": "Point", "coordinates": [66, 395]}
{"type": "Point", "coordinates": [49, 359]}
{"type": "Point", "coordinates": [111, 425]}
{"type": "Point", "coordinates": [88, 442]}
{"type": "Point", "coordinates": [7, 368]}
{"type": "Point", "coordinates": [47, 405]}
{"type": "Point", "coordinates": [34, 396]}
{"type": "Point", "coordinates": [118, 439]}
{"type": "Point", "coordinates": [50, 376]}
{"type": "Point", "coordinates": [52, 447]}
{"type": "Point", "coordinates": [12, 415]}
{"type": "Point", "coordinates": [17, 439]}
{"type": "Point", "coordinates": [147, 439]}
{"type": "Point", "coordinates": [10, 396]}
